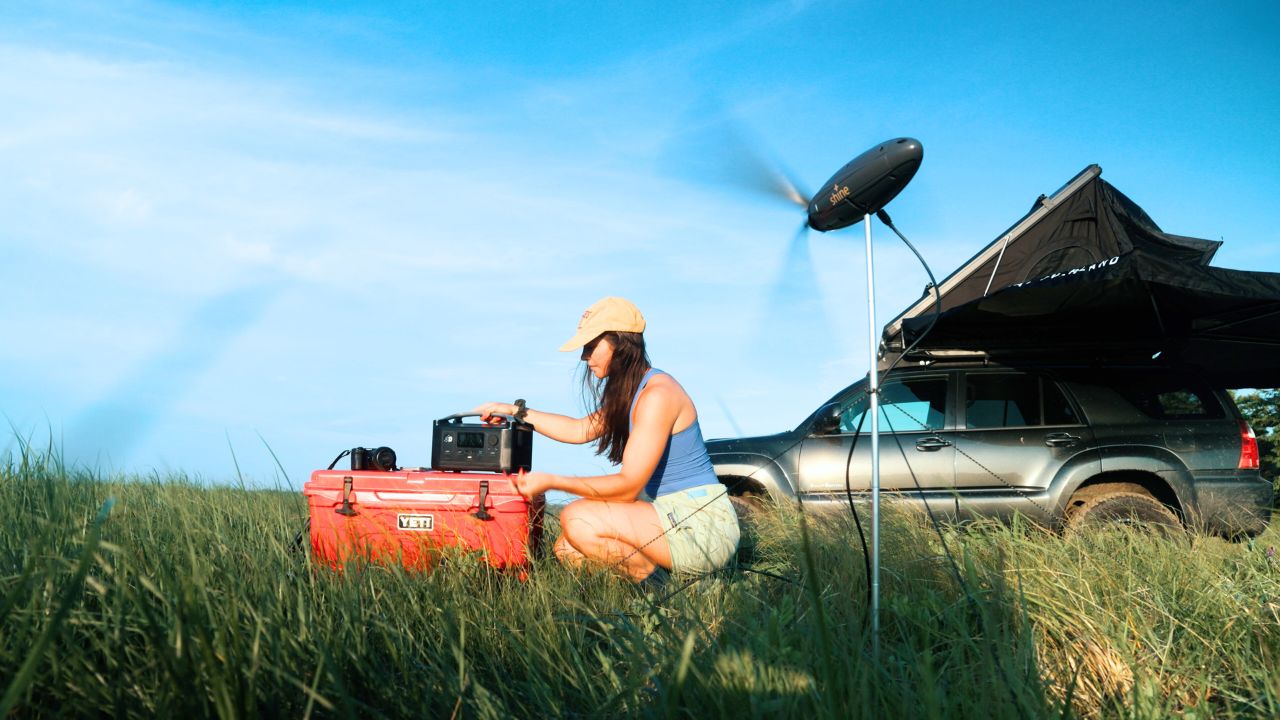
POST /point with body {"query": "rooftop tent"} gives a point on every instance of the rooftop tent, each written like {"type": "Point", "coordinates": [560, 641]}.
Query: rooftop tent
{"type": "Point", "coordinates": [1153, 301]}
{"type": "Point", "coordinates": [1085, 222]}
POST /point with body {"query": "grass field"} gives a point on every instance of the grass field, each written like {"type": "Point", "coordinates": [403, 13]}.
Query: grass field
{"type": "Point", "coordinates": [159, 597]}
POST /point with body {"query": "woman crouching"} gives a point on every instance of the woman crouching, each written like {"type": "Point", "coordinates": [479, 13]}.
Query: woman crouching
{"type": "Point", "coordinates": [644, 421]}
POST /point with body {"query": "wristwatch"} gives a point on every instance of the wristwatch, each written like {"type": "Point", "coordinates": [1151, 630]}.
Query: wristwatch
{"type": "Point", "coordinates": [521, 410]}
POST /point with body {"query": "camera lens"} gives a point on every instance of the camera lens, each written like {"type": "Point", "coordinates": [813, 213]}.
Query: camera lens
{"type": "Point", "coordinates": [384, 458]}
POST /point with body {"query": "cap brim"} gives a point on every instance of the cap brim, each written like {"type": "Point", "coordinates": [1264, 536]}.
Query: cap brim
{"type": "Point", "coordinates": [580, 340]}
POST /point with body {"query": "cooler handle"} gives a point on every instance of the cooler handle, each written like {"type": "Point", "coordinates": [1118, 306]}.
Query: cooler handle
{"type": "Point", "coordinates": [483, 514]}
{"type": "Point", "coordinates": [346, 508]}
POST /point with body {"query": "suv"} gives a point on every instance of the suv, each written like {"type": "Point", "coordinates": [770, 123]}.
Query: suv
{"type": "Point", "coordinates": [1062, 446]}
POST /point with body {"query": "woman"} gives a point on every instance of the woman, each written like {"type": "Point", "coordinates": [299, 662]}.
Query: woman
{"type": "Point", "coordinates": [646, 422]}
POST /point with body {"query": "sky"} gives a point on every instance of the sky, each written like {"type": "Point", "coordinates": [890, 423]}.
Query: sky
{"type": "Point", "coordinates": [238, 238]}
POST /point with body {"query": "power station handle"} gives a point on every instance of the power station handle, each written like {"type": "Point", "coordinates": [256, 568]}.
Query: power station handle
{"type": "Point", "coordinates": [459, 416]}
{"type": "Point", "coordinates": [456, 418]}
{"type": "Point", "coordinates": [484, 498]}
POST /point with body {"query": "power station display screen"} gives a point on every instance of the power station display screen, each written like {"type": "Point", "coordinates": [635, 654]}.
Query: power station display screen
{"type": "Point", "coordinates": [470, 440]}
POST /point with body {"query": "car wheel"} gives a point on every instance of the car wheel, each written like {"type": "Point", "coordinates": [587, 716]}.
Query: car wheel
{"type": "Point", "coordinates": [747, 505]}
{"type": "Point", "coordinates": [1122, 507]}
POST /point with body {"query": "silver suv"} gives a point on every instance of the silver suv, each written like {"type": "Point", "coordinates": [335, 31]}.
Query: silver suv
{"type": "Point", "coordinates": [1061, 446]}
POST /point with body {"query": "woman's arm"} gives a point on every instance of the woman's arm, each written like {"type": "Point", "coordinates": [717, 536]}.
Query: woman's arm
{"type": "Point", "coordinates": [561, 428]}
{"type": "Point", "coordinates": [655, 417]}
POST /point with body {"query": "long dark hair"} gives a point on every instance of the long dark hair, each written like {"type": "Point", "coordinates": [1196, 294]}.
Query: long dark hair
{"type": "Point", "coordinates": [612, 395]}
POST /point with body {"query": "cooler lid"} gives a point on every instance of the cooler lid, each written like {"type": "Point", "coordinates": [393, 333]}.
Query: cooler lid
{"type": "Point", "coordinates": [410, 481]}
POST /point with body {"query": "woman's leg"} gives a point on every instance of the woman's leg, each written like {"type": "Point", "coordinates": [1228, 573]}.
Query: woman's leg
{"type": "Point", "coordinates": [567, 553]}
{"type": "Point", "coordinates": [625, 536]}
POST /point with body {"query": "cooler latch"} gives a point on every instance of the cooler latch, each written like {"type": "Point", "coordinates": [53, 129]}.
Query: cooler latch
{"type": "Point", "coordinates": [483, 514]}
{"type": "Point", "coordinates": [346, 508]}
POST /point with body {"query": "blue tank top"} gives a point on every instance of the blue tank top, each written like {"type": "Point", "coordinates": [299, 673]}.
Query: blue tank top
{"type": "Point", "coordinates": [685, 463]}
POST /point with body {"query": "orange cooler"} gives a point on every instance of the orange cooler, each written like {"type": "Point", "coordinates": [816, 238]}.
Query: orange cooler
{"type": "Point", "coordinates": [411, 516]}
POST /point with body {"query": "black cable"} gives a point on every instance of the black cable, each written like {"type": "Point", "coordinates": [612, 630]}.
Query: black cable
{"type": "Point", "coordinates": [306, 528]}
{"type": "Point", "coordinates": [848, 493]}
{"type": "Point", "coordinates": [689, 583]}
{"type": "Point", "coordinates": [700, 508]}
{"type": "Point", "coordinates": [866, 554]}
{"type": "Point", "coordinates": [937, 527]}
{"type": "Point", "coordinates": [937, 310]}
{"type": "Point", "coordinates": [297, 546]}
{"type": "Point", "coordinates": [933, 284]}
{"type": "Point", "coordinates": [766, 573]}
{"type": "Point", "coordinates": [951, 562]}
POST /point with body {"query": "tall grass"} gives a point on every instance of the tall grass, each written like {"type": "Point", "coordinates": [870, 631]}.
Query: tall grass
{"type": "Point", "coordinates": [142, 597]}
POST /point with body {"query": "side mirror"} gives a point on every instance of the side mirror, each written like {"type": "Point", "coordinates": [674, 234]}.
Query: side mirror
{"type": "Point", "coordinates": [828, 420]}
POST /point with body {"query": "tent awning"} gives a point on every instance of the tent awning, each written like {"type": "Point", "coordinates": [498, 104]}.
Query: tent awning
{"type": "Point", "coordinates": [1083, 223]}
{"type": "Point", "coordinates": [1136, 307]}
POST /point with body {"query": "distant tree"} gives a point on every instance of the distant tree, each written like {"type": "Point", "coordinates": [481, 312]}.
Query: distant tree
{"type": "Point", "coordinates": [1262, 409]}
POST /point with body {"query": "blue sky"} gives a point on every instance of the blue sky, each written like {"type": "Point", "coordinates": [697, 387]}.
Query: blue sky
{"type": "Point", "coordinates": [319, 225]}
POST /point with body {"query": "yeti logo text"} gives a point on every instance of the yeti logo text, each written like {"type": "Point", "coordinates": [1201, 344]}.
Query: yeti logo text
{"type": "Point", "coordinates": [838, 193]}
{"type": "Point", "coordinates": [420, 523]}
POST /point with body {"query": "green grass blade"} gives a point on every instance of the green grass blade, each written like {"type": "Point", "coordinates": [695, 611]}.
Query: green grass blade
{"type": "Point", "coordinates": [70, 592]}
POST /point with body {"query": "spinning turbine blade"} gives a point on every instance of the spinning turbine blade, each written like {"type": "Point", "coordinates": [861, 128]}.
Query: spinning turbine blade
{"type": "Point", "coordinates": [751, 170]}
{"type": "Point", "coordinates": [795, 282]}
{"type": "Point", "coordinates": [721, 152]}
{"type": "Point", "coordinates": [795, 319]}
{"type": "Point", "coordinates": [724, 408]}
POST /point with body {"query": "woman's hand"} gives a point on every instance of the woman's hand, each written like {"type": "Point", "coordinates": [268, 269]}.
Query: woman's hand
{"type": "Point", "coordinates": [489, 412]}
{"type": "Point", "coordinates": [531, 484]}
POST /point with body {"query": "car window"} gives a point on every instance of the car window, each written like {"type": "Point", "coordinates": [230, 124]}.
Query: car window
{"type": "Point", "coordinates": [1178, 402]}
{"type": "Point", "coordinates": [905, 406]}
{"type": "Point", "coordinates": [1000, 400]}
{"type": "Point", "coordinates": [1057, 409]}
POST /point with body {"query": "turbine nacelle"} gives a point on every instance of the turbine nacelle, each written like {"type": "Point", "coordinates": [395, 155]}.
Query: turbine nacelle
{"type": "Point", "coordinates": [865, 184]}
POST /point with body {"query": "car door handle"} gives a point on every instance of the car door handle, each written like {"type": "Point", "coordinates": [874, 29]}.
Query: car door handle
{"type": "Point", "coordinates": [1061, 440]}
{"type": "Point", "coordinates": [931, 444]}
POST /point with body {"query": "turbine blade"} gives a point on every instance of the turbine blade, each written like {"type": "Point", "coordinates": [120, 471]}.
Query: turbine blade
{"type": "Point", "coordinates": [722, 152]}
{"type": "Point", "coordinates": [733, 423]}
{"type": "Point", "coordinates": [794, 324]}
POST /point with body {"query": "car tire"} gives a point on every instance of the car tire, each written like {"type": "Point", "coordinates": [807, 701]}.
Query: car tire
{"type": "Point", "coordinates": [1123, 507]}
{"type": "Point", "coordinates": [746, 505]}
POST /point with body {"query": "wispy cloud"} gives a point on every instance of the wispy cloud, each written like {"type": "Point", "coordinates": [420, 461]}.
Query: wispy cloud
{"type": "Point", "coordinates": [427, 199]}
{"type": "Point", "coordinates": [191, 182]}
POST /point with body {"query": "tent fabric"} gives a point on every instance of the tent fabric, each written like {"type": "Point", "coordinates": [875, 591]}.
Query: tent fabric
{"type": "Point", "coordinates": [1094, 222]}
{"type": "Point", "coordinates": [1145, 306]}
{"type": "Point", "coordinates": [1095, 281]}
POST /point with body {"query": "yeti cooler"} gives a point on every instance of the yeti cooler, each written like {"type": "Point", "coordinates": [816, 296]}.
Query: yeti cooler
{"type": "Point", "coordinates": [413, 517]}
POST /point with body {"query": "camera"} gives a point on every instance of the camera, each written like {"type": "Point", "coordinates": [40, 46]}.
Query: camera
{"type": "Point", "coordinates": [382, 459]}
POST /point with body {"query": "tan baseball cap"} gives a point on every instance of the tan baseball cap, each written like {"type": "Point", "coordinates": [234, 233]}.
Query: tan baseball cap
{"type": "Point", "coordinates": [611, 313]}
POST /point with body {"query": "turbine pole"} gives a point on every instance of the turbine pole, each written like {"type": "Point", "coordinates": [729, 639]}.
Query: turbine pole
{"type": "Point", "coordinates": [873, 392]}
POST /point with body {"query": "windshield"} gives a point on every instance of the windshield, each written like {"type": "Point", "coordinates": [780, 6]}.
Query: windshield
{"type": "Point", "coordinates": [841, 398]}
{"type": "Point", "coordinates": [906, 405]}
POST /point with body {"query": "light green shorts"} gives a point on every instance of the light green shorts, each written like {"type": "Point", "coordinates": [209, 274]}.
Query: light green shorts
{"type": "Point", "coordinates": [701, 528]}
